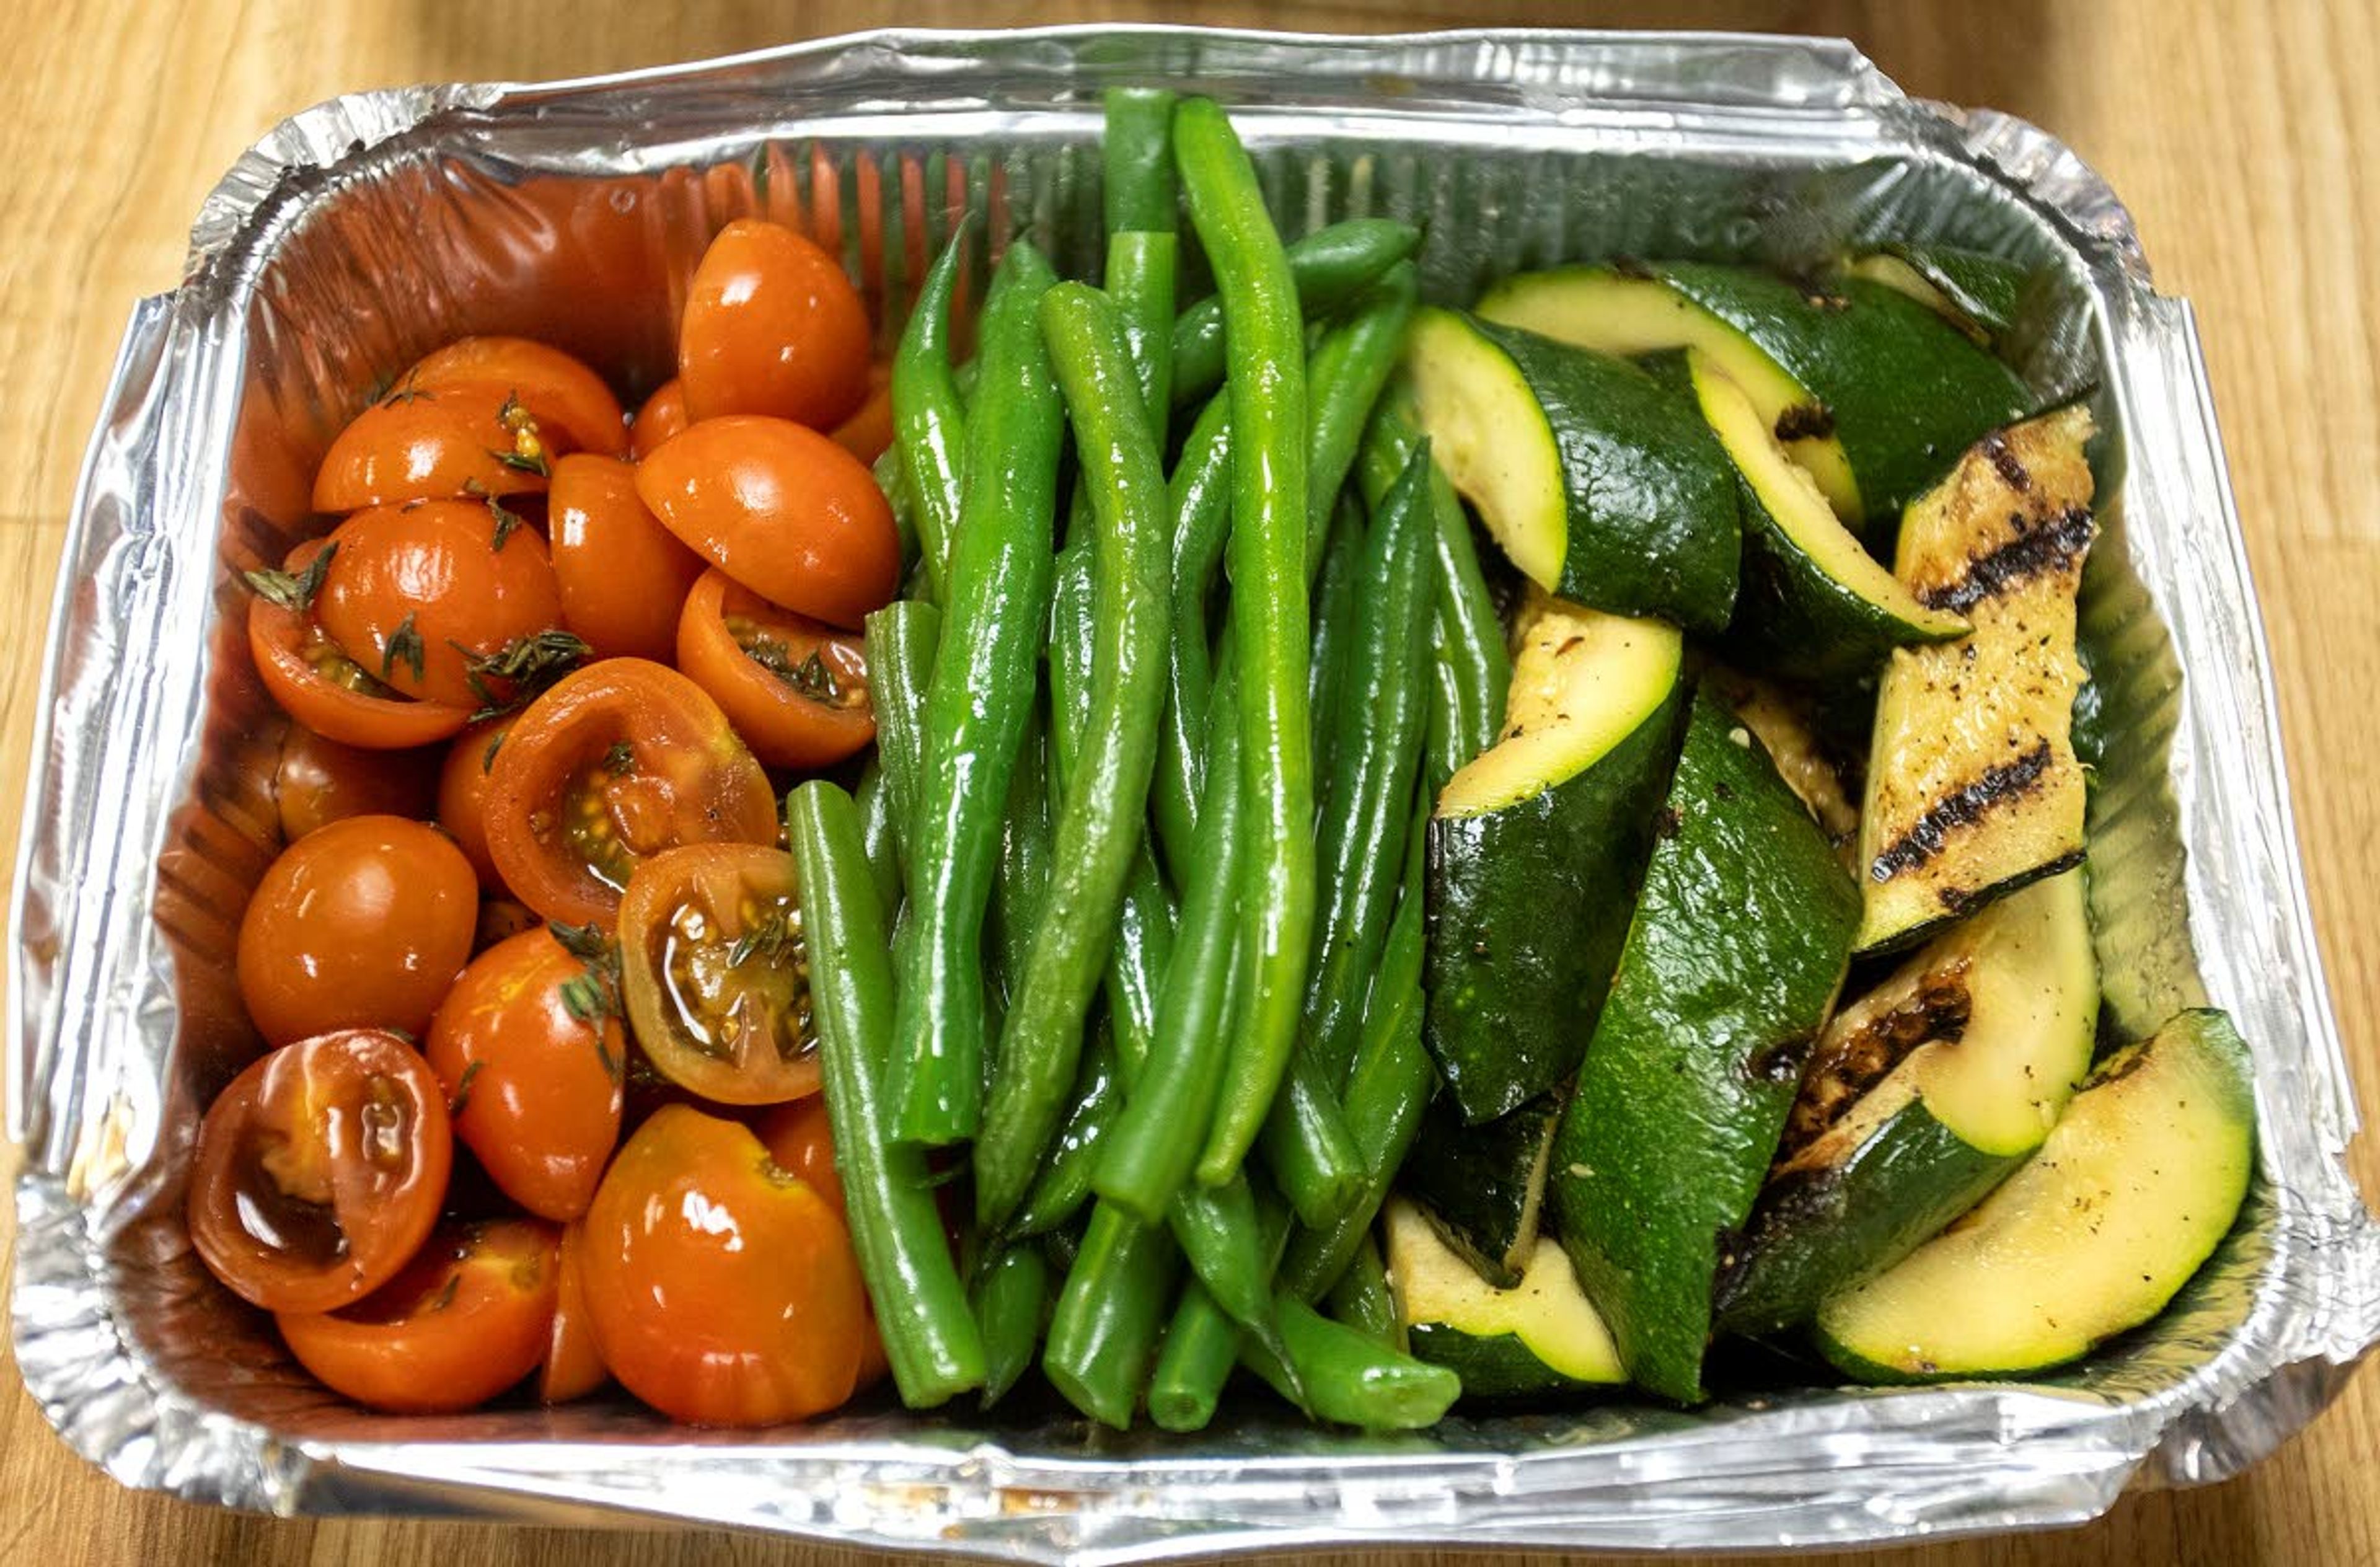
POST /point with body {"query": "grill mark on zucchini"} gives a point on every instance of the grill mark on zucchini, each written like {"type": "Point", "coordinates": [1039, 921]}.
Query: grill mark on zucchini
{"type": "Point", "coordinates": [2049, 546]}
{"type": "Point", "coordinates": [1938, 1010]}
{"type": "Point", "coordinates": [1805, 421]}
{"type": "Point", "coordinates": [2001, 784]}
{"type": "Point", "coordinates": [2011, 469]}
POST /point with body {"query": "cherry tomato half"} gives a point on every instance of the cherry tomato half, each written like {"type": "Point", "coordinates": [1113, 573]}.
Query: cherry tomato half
{"type": "Point", "coordinates": [530, 1051]}
{"type": "Point", "coordinates": [574, 1365]}
{"type": "Point", "coordinates": [562, 393]}
{"type": "Point", "coordinates": [781, 509]}
{"type": "Point", "coordinates": [465, 440]}
{"type": "Point", "coordinates": [723, 1290]}
{"type": "Point", "coordinates": [716, 974]}
{"type": "Point", "coordinates": [318, 685]}
{"type": "Point", "coordinates": [868, 433]}
{"type": "Point", "coordinates": [794, 689]}
{"type": "Point", "coordinates": [623, 576]}
{"type": "Point", "coordinates": [616, 763]}
{"type": "Point", "coordinates": [426, 597]}
{"type": "Point", "coordinates": [362, 924]}
{"type": "Point", "coordinates": [320, 782]}
{"type": "Point", "coordinates": [463, 795]}
{"type": "Point", "coordinates": [662, 416]}
{"type": "Point", "coordinates": [771, 326]}
{"type": "Point", "coordinates": [320, 1171]}
{"type": "Point", "coordinates": [466, 1319]}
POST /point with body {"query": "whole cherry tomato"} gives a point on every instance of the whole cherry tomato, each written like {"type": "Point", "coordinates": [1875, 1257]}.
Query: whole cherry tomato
{"type": "Point", "coordinates": [772, 326]}
{"type": "Point", "coordinates": [362, 924]}
{"type": "Point", "coordinates": [468, 1316]}
{"type": "Point", "coordinates": [314, 680]}
{"type": "Point", "coordinates": [618, 761]}
{"type": "Point", "coordinates": [320, 782]}
{"type": "Point", "coordinates": [723, 1290]}
{"type": "Point", "coordinates": [462, 441]}
{"type": "Point", "coordinates": [868, 433]}
{"type": "Point", "coordinates": [800, 1141]}
{"type": "Point", "coordinates": [463, 795]}
{"type": "Point", "coordinates": [574, 1365]}
{"type": "Point", "coordinates": [447, 600]}
{"type": "Point", "coordinates": [662, 416]}
{"type": "Point", "coordinates": [716, 975]}
{"type": "Point", "coordinates": [794, 689]}
{"type": "Point", "coordinates": [529, 1048]}
{"type": "Point", "coordinates": [782, 510]}
{"type": "Point", "coordinates": [320, 1171]}
{"type": "Point", "coordinates": [623, 576]}
{"type": "Point", "coordinates": [560, 392]}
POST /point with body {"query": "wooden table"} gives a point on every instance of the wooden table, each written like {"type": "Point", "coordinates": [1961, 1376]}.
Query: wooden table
{"type": "Point", "coordinates": [2242, 135]}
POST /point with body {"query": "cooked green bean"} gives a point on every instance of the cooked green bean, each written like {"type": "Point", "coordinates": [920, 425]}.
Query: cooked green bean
{"type": "Point", "coordinates": [898, 500]}
{"type": "Point", "coordinates": [1329, 267]}
{"type": "Point", "coordinates": [1202, 1345]}
{"type": "Point", "coordinates": [930, 438]}
{"type": "Point", "coordinates": [1011, 1297]}
{"type": "Point", "coordinates": [1219, 1232]}
{"type": "Point", "coordinates": [901, 639]}
{"type": "Point", "coordinates": [1140, 200]}
{"type": "Point", "coordinates": [1021, 884]}
{"type": "Point", "coordinates": [1109, 1315]}
{"type": "Point", "coordinates": [930, 1336]}
{"type": "Point", "coordinates": [1334, 614]}
{"type": "Point", "coordinates": [1098, 831]}
{"type": "Point", "coordinates": [879, 833]}
{"type": "Point", "coordinates": [1200, 493]}
{"type": "Point", "coordinates": [1350, 367]}
{"type": "Point", "coordinates": [1363, 1300]}
{"type": "Point", "coordinates": [1350, 1377]}
{"type": "Point", "coordinates": [1267, 556]}
{"type": "Point", "coordinates": [1136, 189]}
{"type": "Point", "coordinates": [1064, 1183]}
{"type": "Point", "coordinates": [983, 687]}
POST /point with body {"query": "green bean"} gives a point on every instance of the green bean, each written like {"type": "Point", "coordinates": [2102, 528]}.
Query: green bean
{"type": "Point", "coordinates": [901, 639]}
{"type": "Point", "coordinates": [903, 507]}
{"type": "Point", "coordinates": [1136, 179]}
{"type": "Point", "coordinates": [1064, 1183]}
{"type": "Point", "coordinates": [930, 1338]}
{"type": "Point", "coordinates": [1328, 267]}
{"type": "Point", "coordinates": [1200, 492]}
{"type": "Point", "coordinates": [1102, 1338]}
{"type": "Point", "coordinates": [1350, 1378]}
{"type": "Point", "coordinates": [1305, 1142]}
{"type": "Point", "coordinates": [1219, 1232]}
{"type": "Point", "coordinates": [1334, 614]}
{"type": "Point", "coordinates": [1363, 1300]}
{"type": "Point", "coordinates": [1202, 1345]}
{"type": "Point", "coordinates": [1021, 884]}
{"type": "Point", "coordinates": [1011, 1297]}
{"type": "Point", "coordinates": [1348, 371]}
{"type": "Point", "coordinates": [879, 833]}
{"type": "Point", "coordinates": [1267, 557]}
{"type": "Point", "coordinates": [1107, 800]}
{"type": "Point", "coordinates": [1140, 200]}
{"type": "Point", "coordinates": [983, 687]}
{"type": "Point", "coordinates": [930, 438]}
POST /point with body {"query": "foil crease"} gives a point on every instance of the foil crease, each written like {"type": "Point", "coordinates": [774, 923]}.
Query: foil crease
{"type": "Point", "coordinates": [363, 232]}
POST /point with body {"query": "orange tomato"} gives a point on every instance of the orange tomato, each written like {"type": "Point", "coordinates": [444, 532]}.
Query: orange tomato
{"type": "Point", "coordinates": [466, 1319]}
{"type": "Point", "coordinates": [623, 576]}
{"type": "Point", "coordinates": [868, 433]}
{"type": "Point", "coordinates": [574, 1365]}
{"type": "Point", "coordinates": [562, 393]}
{"type": "Point", "coordinates": [782, 510]}
{"type": "Point", "coordinates": [529, 1048]}
{"type": "Point", "coordinates": [362, 924]}
{"type": "Point", "coordinates": [320, 1171]}
{"type": "Point", "coordinates": [662, 416]}
{"type": "Point", "coordinates": [316, 683]}
{"type": "Point", "coordinates": [463, 795]}
{"type": "Point", "coordinates": [794, 689]}
{"type": "Point", "coordinates": [723, 1291]}
{"type": "Point", "coordinates": [772, 326]}
{"type": "Point", "coordinates": [800, 1141]}
{"type": "Point", "coordinates": [461, 441]}
{"type": "Point", "coordinates": [320, 782]}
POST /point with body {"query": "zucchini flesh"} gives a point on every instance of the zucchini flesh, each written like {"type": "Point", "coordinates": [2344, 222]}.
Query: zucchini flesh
{"type": "Point", "coordinates": [2131, 1192]}
{"type": "Point", "coordinates": [1783, 724]}
{"type": "Point", "coordinates": [1541, 1335]}
{"type": "Point", "coordinates": [1974, 788]}
{"type": "Point", "coordinates": [1974, 292]}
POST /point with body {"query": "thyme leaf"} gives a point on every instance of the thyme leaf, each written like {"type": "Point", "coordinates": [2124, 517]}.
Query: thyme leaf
{"type": "Point", "coordinates": [405, 642]}
{"type": "Point", "coordinates": [295, 592]}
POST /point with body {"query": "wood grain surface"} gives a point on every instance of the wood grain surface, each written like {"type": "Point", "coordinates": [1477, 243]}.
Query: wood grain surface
{"type": "Point", "coordinates": [2245, 137]}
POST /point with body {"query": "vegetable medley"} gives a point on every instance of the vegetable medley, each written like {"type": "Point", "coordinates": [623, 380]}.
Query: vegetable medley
{"type": "Point", "coordinates": [1421, 854]}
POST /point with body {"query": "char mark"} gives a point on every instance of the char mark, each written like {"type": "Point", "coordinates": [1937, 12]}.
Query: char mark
{"type": "Point", "coordinates": [1805, 421]}
{"type": "Point", "coordinates": [2048, 545]}
{"type": "Point", "coordinates": [2001, 784]}
{"type": "Point", "coordinates": [1857, 1060]}
{"type": "Point", "coordinates": [2011, 467]}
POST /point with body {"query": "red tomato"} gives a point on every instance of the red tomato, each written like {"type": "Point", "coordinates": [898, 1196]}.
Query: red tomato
{"type": "Point", "coordinates": [574, 1365]}
{"type": "Point", "coordinates": [363, 924]}
{"type": "Point", "coordinates": [716, 975]}
{"type": "Point", "coordinates": [463, 795]}
{"type": "Point", "coordinates": [662, 416]}
{"type": "Point", "coordinates": [772, 326]}
{"type": "Point", "coordinates": [321, 782]}
{"type": "Point", "coordinates": [462, 441]}
{"type": "Point", "coordinates": [623, 576]}
{"type": "Point", "coordinates": [561, 392]}
{"type": "Point", "coordinates": [800, 1141]}
{"type": "Point", "coordinates": [618, 761]}
{"type": "Point", "coordinates": [782, 510]}
{"type": "Point", "coordinates": [468, 1318]}
{"type": "Point", "coordinates": [868, 433]}
{"type": "Point", "coordinates": [318, 685]}
{"type": "Point", "coordinates": [438, 599]}
{"type": "Point", "coordinates": [320, 1171]}
{"type": "Point", "coordinates": [528, 1046]}
{"type": "Point", "coordinates": [794, 689]}
{"type": "Point", "coordinates": [723, 1291]}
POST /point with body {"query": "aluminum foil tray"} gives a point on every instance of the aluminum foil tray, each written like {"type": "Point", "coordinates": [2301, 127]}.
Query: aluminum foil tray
{"type": "Point", "coordinates": [361, 233]}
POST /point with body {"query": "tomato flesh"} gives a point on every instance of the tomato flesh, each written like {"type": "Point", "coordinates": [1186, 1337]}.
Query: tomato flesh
{"type": "Point", "coordinates": [794, 689]}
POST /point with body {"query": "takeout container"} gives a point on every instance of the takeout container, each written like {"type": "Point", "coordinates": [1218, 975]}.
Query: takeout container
{"type": "Point", "coordinates": [363, 231]}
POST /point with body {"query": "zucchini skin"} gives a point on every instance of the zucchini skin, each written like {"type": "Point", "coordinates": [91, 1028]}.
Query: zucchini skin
{"type": "Point", "coordinates": [1482, 1186]}
{"type": "Point", "coordinates": [1739, 942]}
{"type": "Point", "coordinates": [1498, 1367]}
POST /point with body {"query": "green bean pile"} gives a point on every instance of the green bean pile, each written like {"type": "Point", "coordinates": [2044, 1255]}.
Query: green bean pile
{"type": "Point", "coordinates": [1117, 952]}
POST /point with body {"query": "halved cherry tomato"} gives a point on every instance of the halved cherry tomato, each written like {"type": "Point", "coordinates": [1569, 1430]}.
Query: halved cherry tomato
{"type": "Point", "coordinates": [868, 433]}
{"type": "Point", "coordinates": [560, 392]}
{"type": "Point", "coordinates": [320, 1171]}
{"type": "Point", "coordinates": [781, 509]}
{"type": "Point", "coordinates": [362, 924]}
{"type": "Point", "coordinates": [662, 416]}
{"type": "Point", "coordinates": [468, 1318]}
{"type": "Point", "coordinates": [716, 973]}
{"type": "Point", "coordinates": [801, 1142]}
{"type": "Point", "coordinates": [434, 599]}
{"type": "Point", "coordinates": [461, 441]}
{"type": "Point", "coordinates": [463, 794]}
{"type": "Point", "coordinates": [574, 1365]}
{"type": "Point", "coordinates": [794, 689]}
{"type": "Point", "coordinates": [623, 576]}
{"type": "Point", "coordinates": [723, 1291]}
{"type": "Point", "coordinates": [529, 1048]}
{"type": "Point", "coordinates": [618, 761]}
{"type": "Point", "coordinates": [321, 782]}
{"type": "Point", "coordinates": [318, 685]}
{"type": "Point", "coordinates": [771, 326]}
